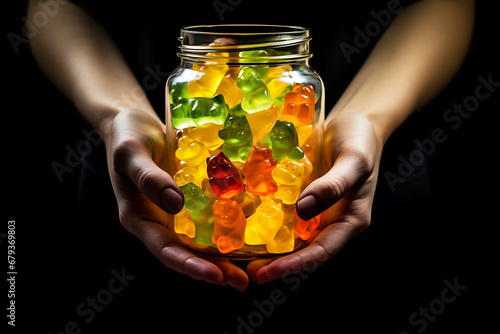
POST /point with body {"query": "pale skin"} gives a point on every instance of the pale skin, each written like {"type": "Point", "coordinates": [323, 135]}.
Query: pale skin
{"type": "Point", "coordinates": [413, 61]}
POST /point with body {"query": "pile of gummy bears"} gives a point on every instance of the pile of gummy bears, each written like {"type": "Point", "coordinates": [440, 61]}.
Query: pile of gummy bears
{"type": "Point", "coordinates": [243, 155]}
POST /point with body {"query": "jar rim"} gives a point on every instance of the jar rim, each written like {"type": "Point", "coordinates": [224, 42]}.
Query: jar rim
{"type": "Point", "coordinates": [279, 29]}
{"type": "Point", "coordinates": [197, 42]}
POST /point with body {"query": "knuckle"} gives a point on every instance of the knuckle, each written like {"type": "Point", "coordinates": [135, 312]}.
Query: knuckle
{"type": "Point", "coordinates": [123, 151]}
{"type": "Point", "coordinates": [144, 176]}
{"type": "Point", "coordinates": [363, 156]}
{"type": "Point", "coordinates": [336, 186]}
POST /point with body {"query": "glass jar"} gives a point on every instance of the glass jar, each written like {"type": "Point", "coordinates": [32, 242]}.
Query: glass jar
{"type": "Point", "coordinates": [247, 114]}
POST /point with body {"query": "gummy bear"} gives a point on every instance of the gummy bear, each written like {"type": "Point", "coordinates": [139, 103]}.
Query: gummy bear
{"type": "Point", "coordinates": [248, 202]}
{"type": "Point", "coordinates": [299, 105]}
{"type": "Point", "coordinates": [224, 177]}
{"type": "Point", "coordinates": [237, 138]}
{"type": "Point", "coordinates": [188, 174]}
{"type": "Point", "coordinates": [256, 95]}
{"type": "Point", "coordinates": [193, 153]}
{"type": "Point", "coordinates": [278, 79]}
{"type": "Point", "coordinates": [285, 142]}
{"type": "Point", "coordinates": [227, 87]}
{"type": "Point", "coordinates": [201, 213]}
{"type": "Point", "coordinates": [211, 75]}
{"type": "Point", "coordinates": [179, 92]}
{"type": "Point", "coordinates": [289, 175]}
{"type": "Point", "coordinates": [257, 170]}
{"type": "Point", "coordinates": [262, 122]}
{"type": "Point", "coordinates": [264, 223]}
{"type": "Point", "coordinates": [304, 228]}
{"type": "Point", "coordinates": [284, 239]}
{"type": "Point", "coordinates": [255, 56]}
{"type": "Point", "coordinates": [208, 134]}
{"type": "Point", "coordinates": [198, 111]}
{"type": "Point", "coordinates": [183, 224]}
{"type": "Point", "coordinates": [230, 224]}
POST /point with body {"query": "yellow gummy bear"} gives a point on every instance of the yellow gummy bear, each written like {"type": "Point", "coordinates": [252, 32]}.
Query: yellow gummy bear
{"type": "Point", "coordinates": [183, 223]}
{"type": "Point", "coordinates": [289, 175]}
{"type": "Point", "coordinates": [284, 240]}
{"type": "Point", "coordinates": [188, 174]}
{"type": "Point", "coordinates": [193, 153]}
{"type": "Point", "coordinates": [211, 75]}
{"type": "Point", "coordinates": [208, 134]}
{"type": "Point", "coordinates": [277, 79]}
{"type": "Point", "coordinates": [303, 132]}
{"type": "Point", "coordinates": [262, 122]}
{"type": "Point", "coordinates": [228, 88]}
{"type": "Point", "coordinates": [264, 223]}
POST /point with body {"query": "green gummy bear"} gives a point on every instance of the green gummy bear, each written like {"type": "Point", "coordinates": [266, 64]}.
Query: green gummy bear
{"type": "Point", "coordinates": [256, 95]}
{"type": "Point", "coordinates": [179, 92]}
{"type": "Point", "coordinates": [197, 111]}
{"type": "Point", "coordinates": [285, 141]}
{"type": "Point", "coordinates": [237, 136]}
{"type": "Point", "coordinates": [255, 56]}
{"type": "Point", "coordinates": [237, 110]}
{"type": "Point", "coordinates": [202, 215]}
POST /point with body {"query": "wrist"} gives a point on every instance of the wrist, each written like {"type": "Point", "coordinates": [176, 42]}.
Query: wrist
{"type": "Point", "coordinates": [385, 114]}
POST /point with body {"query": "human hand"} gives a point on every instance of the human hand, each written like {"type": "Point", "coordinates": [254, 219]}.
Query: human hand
{"type": "Point", "coordinates": [147, 196]}
{"type": "Point", "coordinates": [343, 196]}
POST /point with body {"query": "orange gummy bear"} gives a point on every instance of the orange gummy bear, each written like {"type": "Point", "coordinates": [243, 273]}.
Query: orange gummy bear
{"type": "Point", "coordinates": [230, 225]}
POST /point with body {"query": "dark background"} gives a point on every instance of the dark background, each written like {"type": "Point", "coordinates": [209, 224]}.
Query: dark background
{"type": "Point", "coordinates": [67, 252]}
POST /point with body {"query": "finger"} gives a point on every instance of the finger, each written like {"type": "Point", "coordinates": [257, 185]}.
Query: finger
{"type": "Point", "coordinates": [164, 245]}
{"type": "Point", "coordinates": [348, 171]}
{"type": "Point", "coordinates": [254, 266]}
{"type": "Point", "coordinates": [134, 160]}
{"type": "Point", "coordinates": [233, 275]}
{"type": "Point", "coordinates": [322, 249]}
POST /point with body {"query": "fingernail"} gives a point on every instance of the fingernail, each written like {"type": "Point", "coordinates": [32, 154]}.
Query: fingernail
{"type": "Point", "coordinates": [171, 200]}
{"type": "Point", "coordinates": [307, 207]}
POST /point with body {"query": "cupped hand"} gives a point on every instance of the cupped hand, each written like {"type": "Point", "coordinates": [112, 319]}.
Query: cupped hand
{"type": "Point", "coordinates": [343, 196]}
{"type": "Point", "coordinates": [147, 196]}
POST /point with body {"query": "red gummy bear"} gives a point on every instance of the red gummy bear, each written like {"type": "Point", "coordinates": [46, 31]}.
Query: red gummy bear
{"type": "Point", "coordinates": [224, 177]}
{"type": "Point", "coordinates": [257, 170]}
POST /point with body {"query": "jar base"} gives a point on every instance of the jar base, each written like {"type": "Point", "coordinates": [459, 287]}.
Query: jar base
{"type": "Point", "coordinates": [246, 253]}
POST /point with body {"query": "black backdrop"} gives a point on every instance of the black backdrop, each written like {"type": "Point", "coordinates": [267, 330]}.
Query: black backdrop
{"type": "Point", "coordinates": [70, 256]}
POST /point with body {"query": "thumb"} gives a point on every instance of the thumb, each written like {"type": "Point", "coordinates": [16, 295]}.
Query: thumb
{"type": "Point", "coordinates": [347, 171]}
{"type": "Point", "coordinates": [135, 162]}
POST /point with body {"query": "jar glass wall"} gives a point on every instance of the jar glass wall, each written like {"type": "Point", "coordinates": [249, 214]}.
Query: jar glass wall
{"type": "Point", "coordinates": [247, 113]}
